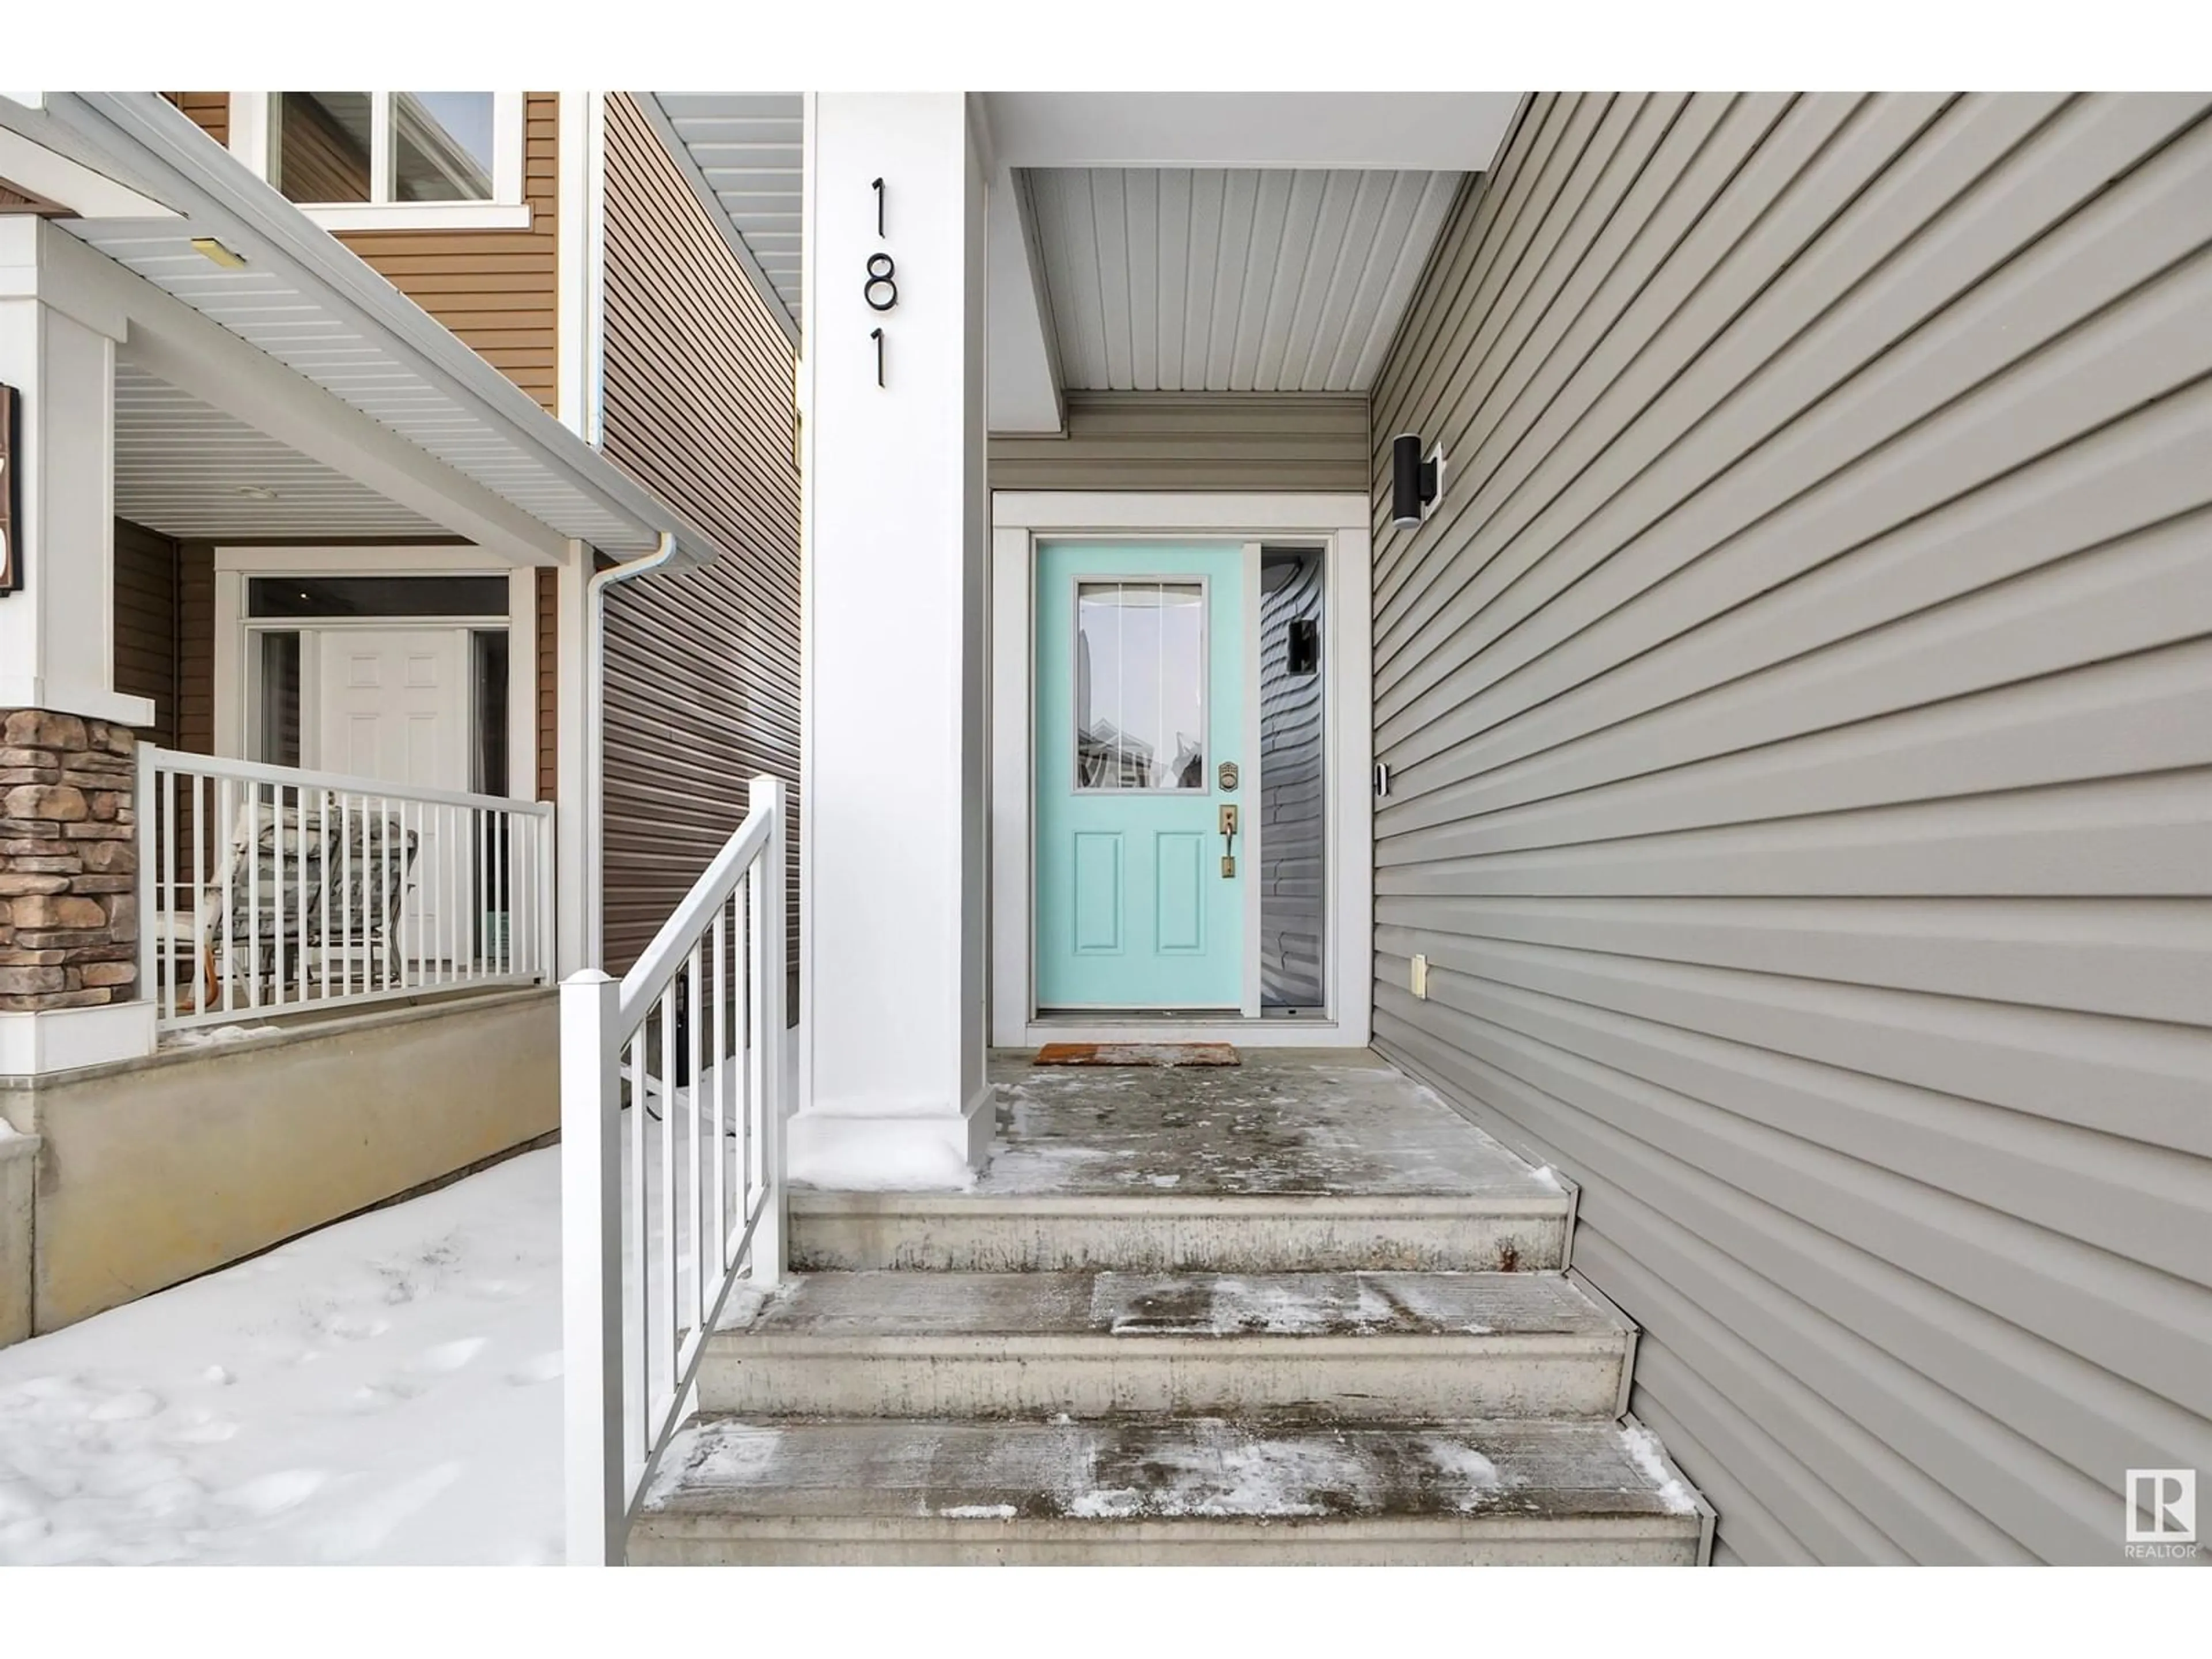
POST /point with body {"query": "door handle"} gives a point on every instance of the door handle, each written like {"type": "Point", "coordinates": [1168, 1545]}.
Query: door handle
{"type": "Point", "coordinates": [1228, 843]}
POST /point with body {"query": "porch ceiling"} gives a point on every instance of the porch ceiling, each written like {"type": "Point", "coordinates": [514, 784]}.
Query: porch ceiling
{"type": "Point", "coordinates": [1170, 241]}
{"type": "Point", "coordinates": [189, 471]}
{"type": "Point", "coordinates": [1246, 279]}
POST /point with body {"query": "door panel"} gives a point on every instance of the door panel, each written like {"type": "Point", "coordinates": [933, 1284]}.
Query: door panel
{"type": "Point", "coordinates": [1098, 897]}
{"type": "Point", "coordinates": [1140, 698]}
{"type": "Point", "coordinates": [1178, 857]}
{"type": "Point", "coordinates": [394, 707]}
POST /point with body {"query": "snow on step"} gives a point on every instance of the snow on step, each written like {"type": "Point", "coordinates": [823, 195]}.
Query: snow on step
{"type": "Point", "coordinates": [1184, 1490]}
{"type": "Point", "coordinates": [1358, 1346]}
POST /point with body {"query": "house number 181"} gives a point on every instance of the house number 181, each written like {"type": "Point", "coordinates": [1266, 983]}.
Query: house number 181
{"type": "Point", "coordinates": [881, 288]}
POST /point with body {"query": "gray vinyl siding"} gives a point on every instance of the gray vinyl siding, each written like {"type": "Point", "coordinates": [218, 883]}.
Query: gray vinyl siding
{"type": "Point", "coordinates": [702, 666]}
{"type": "Point", "coordinates": [1293, 870]}
{"type": "Point", "coordinates": [1193, 441]}
{"type": "Point", "coordinates": [1798, 723]}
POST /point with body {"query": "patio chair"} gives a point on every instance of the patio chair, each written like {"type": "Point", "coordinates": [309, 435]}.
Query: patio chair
{"type": "Point", "coordinates": [268, 883]}
{"type": "Point", "coordinates": [369, 869]}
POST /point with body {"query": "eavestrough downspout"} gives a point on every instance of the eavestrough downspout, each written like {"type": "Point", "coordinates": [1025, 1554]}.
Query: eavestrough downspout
{"type": "Point", "coordinates": [595, 725]}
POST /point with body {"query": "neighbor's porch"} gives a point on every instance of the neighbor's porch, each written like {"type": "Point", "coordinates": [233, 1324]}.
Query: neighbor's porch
{"type": "Point", "coordinates": [279, 914]}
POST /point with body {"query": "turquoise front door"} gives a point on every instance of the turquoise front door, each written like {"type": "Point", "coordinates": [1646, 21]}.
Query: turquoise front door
{"type": "Point", "coordinates": [1140, 701]}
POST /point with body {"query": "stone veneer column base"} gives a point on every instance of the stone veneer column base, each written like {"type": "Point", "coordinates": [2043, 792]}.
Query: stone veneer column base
{"type": "Point", "coordinates": [68, 904]}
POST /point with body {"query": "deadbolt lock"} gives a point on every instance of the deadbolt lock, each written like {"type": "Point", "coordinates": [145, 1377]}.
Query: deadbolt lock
{"type": "Point", "coordinates": [1228, 774]}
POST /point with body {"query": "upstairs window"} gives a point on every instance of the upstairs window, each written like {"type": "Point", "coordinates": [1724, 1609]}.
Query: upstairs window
{"type": "Point", "coordinates": [362, 161]}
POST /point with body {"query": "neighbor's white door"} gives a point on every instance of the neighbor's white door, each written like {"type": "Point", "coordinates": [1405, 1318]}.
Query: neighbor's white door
{"type": "Point", "coordinates": [393, 705]}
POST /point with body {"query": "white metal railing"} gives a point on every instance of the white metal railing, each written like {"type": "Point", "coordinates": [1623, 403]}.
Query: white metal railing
{"type": "Point", "coordinates": [671, 1169]}
{"type": "Point", "coordinates": [267, 890]}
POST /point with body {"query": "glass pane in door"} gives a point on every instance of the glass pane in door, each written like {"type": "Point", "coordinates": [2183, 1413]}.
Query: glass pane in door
{"type": "Point", "coordinates": [1140, 685]}
{"type": "Point", "coordinates": [279, 734]}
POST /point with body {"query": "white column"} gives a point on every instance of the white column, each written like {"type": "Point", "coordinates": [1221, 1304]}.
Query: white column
{"type": "Point", "coordinates": [57, 351]}
{"type": "Point", "coordinates": [897, 564]}
{"type": "Point", "coordinates": [57, 634]}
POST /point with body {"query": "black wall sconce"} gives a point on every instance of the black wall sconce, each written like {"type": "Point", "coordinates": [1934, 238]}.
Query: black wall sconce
{"type": "Point", "coordinates": [1415, 482]}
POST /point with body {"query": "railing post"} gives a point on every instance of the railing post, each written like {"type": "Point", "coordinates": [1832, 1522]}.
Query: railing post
{"type": "Point", "coordinates": [592, 1270]}
{"type": "Point", "coordinates": [548, 956]}
{"type": "Point", "coordinates": [151, 920]}
{"type": "Point", "coordinates": [769, 949]}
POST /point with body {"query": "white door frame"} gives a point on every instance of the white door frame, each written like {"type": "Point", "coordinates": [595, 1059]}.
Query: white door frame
{"type": "Point", "coordinates": [234, 565]}
{"type": "Point", "coordinates": [1341, 523]}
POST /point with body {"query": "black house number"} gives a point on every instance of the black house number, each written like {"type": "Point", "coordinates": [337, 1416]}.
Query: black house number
{"type": "Point", "coordinates": [881, 288]}
{"type": "Point", "coordinates": [882, 291]}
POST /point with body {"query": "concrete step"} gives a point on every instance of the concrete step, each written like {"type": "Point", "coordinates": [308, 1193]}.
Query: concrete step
{"type": "Point", "coordinates": [1195, 1491]}
{"type": "Point", "coordinates": [1350, 1346]}
{"type": "Point", "coordinates": [1516, 1224]}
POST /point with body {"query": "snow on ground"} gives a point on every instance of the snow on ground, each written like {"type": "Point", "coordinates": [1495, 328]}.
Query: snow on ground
{"type": "Point", "coordinates": [387, 1390]}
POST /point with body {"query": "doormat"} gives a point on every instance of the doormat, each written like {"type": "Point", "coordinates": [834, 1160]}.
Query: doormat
{"type": "Point", "coordinates": [1137, 1053]}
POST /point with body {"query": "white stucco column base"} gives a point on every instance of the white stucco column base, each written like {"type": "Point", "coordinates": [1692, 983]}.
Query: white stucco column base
{"type": "Point", "coordinates": [921, 1149]}
{"type": "Point", "coordinates": [50, 1039]}
{"type": "Point", "coordinates": [891, 811]}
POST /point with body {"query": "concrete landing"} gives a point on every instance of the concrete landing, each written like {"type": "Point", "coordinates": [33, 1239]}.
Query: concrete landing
{"type": "Point", "coordinates": [1188, 1490]}
{"type": "Point", "coordinates": [1315, 1122]}
{"type": "Point", "coordinates": [1296, 1160]}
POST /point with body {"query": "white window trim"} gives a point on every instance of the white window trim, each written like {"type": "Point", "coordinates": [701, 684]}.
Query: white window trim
{"type": "Point", "coordinates": [250, 125]}
{"type": "Point", "coordinates": [233, 681]}
{"type": "Point", "coordinates": [1019, 518]}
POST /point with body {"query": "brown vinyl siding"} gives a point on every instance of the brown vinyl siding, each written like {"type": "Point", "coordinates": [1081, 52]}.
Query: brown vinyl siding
{"type": "Point", "coordinates": [1194, 440]}
{"type": "Point", "coordinates": [210, 109]}
{"type": "Point", "coordinates": [494, 288]}
{"type": "Point", "coordinates": [549, 671]}
{"type": "Point", "coordinates": [196, 647]}
{"type": "Point", "coordinates": [145, 639]}
{"type": "Point", "coordinates": [702, 666]}
{"type": "Point", "coordinates": [1796, 720]}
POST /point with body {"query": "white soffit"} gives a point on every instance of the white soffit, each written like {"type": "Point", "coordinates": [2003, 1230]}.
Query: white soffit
{"type": "Point", "coordinates": [264, 304]}
{"type": "Point", "coordinates": [186, 469]}
{"type": "Point", "coordinates": [518, 477]}
{"type": "Point", "coordinates": [1231, 279]}
{"type": "Point", "coordinates": [1371, 131]}
{"type": "Point", "coordinates": [745, 154]}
